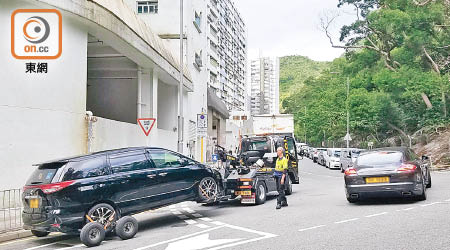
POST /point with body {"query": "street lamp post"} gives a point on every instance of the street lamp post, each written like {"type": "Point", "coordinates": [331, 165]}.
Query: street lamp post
{"type": "Point", "coordinates": [180, 86]}
{"type": "Point", "coordinates": [348, 113]}
{"type": "Point", "coordinates": [304, 124]}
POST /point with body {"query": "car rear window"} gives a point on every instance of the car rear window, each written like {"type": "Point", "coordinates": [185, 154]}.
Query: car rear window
{"type": "Point", "coordinates": [380, 158]}
{"type": "Point", "coordinates": [85, 168]}
{"type": "Point", "coordinates": [44, 173]}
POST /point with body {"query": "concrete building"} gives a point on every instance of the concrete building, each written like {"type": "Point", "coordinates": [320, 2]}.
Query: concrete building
{"type": "Point", "coordinates": [265, 86]}
{"type": "Point", "coordinates": [111, 64]}
{"type": "Point", "coordinates": [215, 52]}
{"type": "Point", "coordinates": [232, 50]}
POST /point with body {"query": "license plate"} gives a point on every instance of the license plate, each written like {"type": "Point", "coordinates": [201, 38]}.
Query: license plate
{"type": "Point", "coordinates": [248, 199]}
{"type": "Point", "coordinates": [34, 203]}
{"type": "Point", "coordinates": [243, 192]}
{"type": "Point", "coordinates": [377, 180]}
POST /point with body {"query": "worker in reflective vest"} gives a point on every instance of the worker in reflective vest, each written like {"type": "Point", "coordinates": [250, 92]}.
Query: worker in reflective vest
{"type": "Point", "coordinates": [281, 176]}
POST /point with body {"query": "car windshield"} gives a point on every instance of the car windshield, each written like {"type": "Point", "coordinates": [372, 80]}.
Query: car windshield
{"type": "Point", "coordinates": [380, 158]}
{"type": "Point", "coordinates": [44, 173]}
{"type": "Point", "coordinates": [255, 146]}
{"type": "Point", "coordinates": [355, 153]}
{"type": "Point", "coordinates": [337, 154]}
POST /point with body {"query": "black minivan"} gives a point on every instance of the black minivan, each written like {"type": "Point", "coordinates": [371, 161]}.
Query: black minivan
{"type": "Point", "coordinates": [61, 195]}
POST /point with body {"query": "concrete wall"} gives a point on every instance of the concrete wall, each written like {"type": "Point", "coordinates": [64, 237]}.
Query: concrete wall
{"type": "Point", "coordinates": [167, 106]}
{"type": "Point", "coordinates": [109, 134]}
{"type": "Point", "coordinates": [113, 99]}
{"type": "Point", "coordinates": [41, 115]}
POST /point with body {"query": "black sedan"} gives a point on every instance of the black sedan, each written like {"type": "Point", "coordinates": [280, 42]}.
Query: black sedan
{"type": "Point", "coordinates": [388, 172]}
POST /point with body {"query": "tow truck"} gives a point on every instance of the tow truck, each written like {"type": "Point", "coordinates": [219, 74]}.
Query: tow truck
{"type": "Point", "coordinates": [250, 176]}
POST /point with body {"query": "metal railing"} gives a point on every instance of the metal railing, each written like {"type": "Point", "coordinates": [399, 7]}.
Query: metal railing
{"type": "Point", "coordinates": [10, 210]}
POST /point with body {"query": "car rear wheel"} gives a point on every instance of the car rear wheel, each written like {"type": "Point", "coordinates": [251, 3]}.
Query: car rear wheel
{"type": "Point", "coordinates": [342, 169]}
{"type": "Point", "coordinates": [429, 179]}
{"type": "Point", "coordinates": [39, 233]}
{"type": "Point", "coordinates": [260, 193]}
{"type": "Point", "coordinates": [207, 190]}
{"type": "Point", "coordinates": [104, 214]}
{"type": "Point", "coordinates": [289, 187]}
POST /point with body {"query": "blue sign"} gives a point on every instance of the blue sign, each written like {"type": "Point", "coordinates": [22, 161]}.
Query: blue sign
{"type": "Point", "coordinates": [215, 157]}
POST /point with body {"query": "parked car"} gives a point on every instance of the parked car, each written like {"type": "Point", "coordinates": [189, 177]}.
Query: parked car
{"type": "Point", "coordinates": [348, 157]}
{"type": "Point", "coordinates": [332, 158]}
{"type": "Point", "coordinates": [316, 154]}
{"type": "Point", "coordinates": [60, 194]}
{"type": "Point", "coordinates": [388, 172]}
{"type": "Point", "coordinates": [321, 157]}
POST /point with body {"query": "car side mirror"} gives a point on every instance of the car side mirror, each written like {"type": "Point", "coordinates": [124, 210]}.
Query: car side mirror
{"type": "Point", "coordinates": [425, 158]}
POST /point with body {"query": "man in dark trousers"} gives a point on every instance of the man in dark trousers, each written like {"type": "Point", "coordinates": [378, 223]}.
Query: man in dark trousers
{"type": "Point", "coordinates": [280, 175]}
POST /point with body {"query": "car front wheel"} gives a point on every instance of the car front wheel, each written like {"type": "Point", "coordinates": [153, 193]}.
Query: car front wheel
{"type": "Point", "coordinates": [429, 179]}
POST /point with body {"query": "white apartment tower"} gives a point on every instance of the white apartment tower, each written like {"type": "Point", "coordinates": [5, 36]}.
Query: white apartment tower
{"type": "Point", "coordinates": [265, 86]}
{"type": "Point", "coordinates": [232, 52]}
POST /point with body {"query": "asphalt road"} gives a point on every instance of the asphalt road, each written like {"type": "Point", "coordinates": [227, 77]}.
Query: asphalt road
{"type": "Point", "coordinates": [318, 217]}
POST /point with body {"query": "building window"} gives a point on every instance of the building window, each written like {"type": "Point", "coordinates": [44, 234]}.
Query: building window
{"type": "Point", "coordinates": [198, 21]}
{"type": "Point", "coordinates": [198, 60]}
{"type": "Point", "coordinates": [147, 7]}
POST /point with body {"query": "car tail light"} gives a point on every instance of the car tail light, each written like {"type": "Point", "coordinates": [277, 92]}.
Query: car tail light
{"type": "Point", "coordinates": [51, 188]}
{"type": "Point", "coordinates": [245, 187]}
{"type": "Point", "coordinates": [350, 172]}
{"type": "Point", "coordinates": [407, 168]}
{"type": "Point", "coordinates": [245, 179]}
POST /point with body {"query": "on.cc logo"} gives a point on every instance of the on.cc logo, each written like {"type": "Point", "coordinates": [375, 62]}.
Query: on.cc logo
{"type": "Point", "coordinates": [39, 26]}
{"type": "Point", "coordinates": [36, 34]}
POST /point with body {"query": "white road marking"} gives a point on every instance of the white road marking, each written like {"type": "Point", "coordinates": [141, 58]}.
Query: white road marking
{"type": "Point", "coordinates": [447, 200]}
{"type": "Point", "coordinates": [189, 210]}
{"type": "Point", "coordinates": [344, 221]}
{"type": "Point", "coordinates": [190, 222]}
{"type": "Point", "coordinates": [197, 215]}
{"type": "Point", "coordinates": [176, 212]}
{"type": "Point", "coordinates": [66, 248]}
{"type": "Point", "coordinates": [184, 205]}
{"type": "Point", "coordinates": [17, 241]}
{"type": "Point", "coordinates": [430, 204]}
{"type": "Point", "coordinates": [198, 242]}
{"type": "Point", "coordinates": [310, 228]}
{"type": "Point", "coordinates": [172, 206]}
{"type": "Point", "coordinates": [183, 217]}
{"type": "Point", "coordinates": [265, 236]}
{"type": "Point", "coordinates": [407, 209]}
{"type": "Point", "coordinates": [46, 245]}
{"type": "Point", "coordinates": [373, 215]}
{"type": "Point", "coordinates": [179, 238]}
{"type": "Point", "coordinates": [202, 225]}
{"type": "Point", "coordinates": [218, 223]}
{"type": "Point", "coordinates": [205, 219]}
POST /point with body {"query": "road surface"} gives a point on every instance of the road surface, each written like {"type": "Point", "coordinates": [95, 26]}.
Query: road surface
{"type": "Point", "coordinates": [318, 217]}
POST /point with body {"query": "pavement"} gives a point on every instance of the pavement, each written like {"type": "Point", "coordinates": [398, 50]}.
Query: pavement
{"type": "Point", "coordinates": [318, 217]}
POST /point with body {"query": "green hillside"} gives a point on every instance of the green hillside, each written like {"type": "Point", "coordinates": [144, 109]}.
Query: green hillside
{"type": "Point", "coordinates": [294, 70]}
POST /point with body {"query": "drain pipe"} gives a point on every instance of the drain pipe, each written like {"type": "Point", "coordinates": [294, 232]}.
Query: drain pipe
{"type": "Point", "coordinates": [90, 119]}
{"type": "Point", "coordinates": [139, 93]}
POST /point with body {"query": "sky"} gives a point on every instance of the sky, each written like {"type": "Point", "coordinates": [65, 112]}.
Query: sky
{"type": "Point", "coordinates": [291, 27]}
